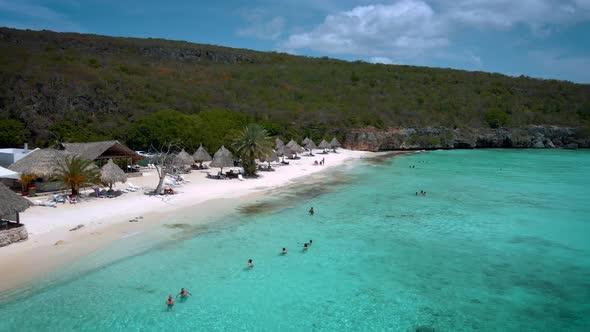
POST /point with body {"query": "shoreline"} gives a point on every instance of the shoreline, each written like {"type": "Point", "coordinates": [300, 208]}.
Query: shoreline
{"type": "Point", "coordinates": [39, 256]}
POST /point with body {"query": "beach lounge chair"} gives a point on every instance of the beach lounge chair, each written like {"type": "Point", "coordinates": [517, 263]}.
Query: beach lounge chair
{"type": "Point", "coordinates": [240, 177]}
{"type": "Point", "coordinates": [59, 198]}
{"type": "Point", "coordinates": [45, 203]}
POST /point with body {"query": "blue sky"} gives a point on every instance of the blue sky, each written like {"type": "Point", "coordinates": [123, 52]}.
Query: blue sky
{"type": "Point", "coordinates": [539, 38]}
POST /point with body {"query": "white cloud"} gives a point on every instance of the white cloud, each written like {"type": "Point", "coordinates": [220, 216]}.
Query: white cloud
{"type": "Point", "coordinates": [404, 27]}
{"type": "Point", "coordinates": [261, 25]}
{"type": "Point", "coordinates": [381, 59]}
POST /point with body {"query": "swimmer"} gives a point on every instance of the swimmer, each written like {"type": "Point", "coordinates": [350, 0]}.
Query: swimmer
{"type": "Point", "coordinates": [416, 193]}
{"type": "Point", "coordinates": [284, 252]}
{"type": "Point", "coordinates": [250, 264]}
{"type": "Point", "coordinates": [305, 246]}
{"type": "Point", "coordinates": [311, 211]}
{"type": "Point", "coordinates": [170, 302]}
{"type": "Point", "coordinates": [310, 242]}
{"type": "Point", "coordinates": [184, 294]}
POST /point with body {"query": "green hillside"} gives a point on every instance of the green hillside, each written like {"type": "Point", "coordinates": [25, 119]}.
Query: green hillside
{"type": "Point", "coordinates": [75, 87]}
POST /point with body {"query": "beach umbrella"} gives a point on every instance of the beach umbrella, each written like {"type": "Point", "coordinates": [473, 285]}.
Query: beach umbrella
{"type": "Point", "coordinates": [283, 151]}
{"type": "Point", "coordinates": [294, 147]}
{"type": "Point", "coordinates": [335, 144]}
{"type": "Point", "coordinates": [183, 158]}
{"type": "Point", "coordinates": [273, 156]}
{"type": "Point", "coordinates": [324, 145]}
{"type": "Point", "coordinates": [305, 140]}
{"type": "Point", "coordinates": [279, 142]}
{"type": "Point", "coordinates": [43, 162]}
{"type": "Point", "coordinates": [222, 158]}
{"type": "Point", "coordinates": [110, 173]}
{"type": "Point", "coordinates": [310, 146]}
{"type": "Point", "coordinates": [11, 203]}
{"type": "Point", "coordinates": [201, 155]}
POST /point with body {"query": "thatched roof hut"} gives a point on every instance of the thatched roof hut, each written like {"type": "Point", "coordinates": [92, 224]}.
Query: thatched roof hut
{"type": "Point", "coordinates": [310, 145]}
{"type": "Point", "coordinates": [283, 151]}
{"type": "Point", "coordinates": [305, 140]}
{"type": "Point", "coordinates": [335, 144]}
{"type": "Point", "coordinates": [201, 155]}
{"type": "Point", "coordinates": [273, 156]}
{"type": "Point", "coordinates": [294, 147]}
{"type": "Point", "coordinates": [279, 142]}
{"type": "Point", "coordinates": [183, 158]}
{"type": "Point", "coordinates": [102, 150]}
{"type": "Point", "coordinates": [324, 145]}
{"type": "Point", "coordinates": [222, 158]}
{"type": "Point", "coordinates": [110, 173]}
{"type": "Point", "coordinates": [11, 203]}
{"type": "Point", "coordinates": [41, 163]}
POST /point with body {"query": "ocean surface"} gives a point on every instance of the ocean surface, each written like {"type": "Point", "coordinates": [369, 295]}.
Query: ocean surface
{"type": "Point", "coordinates": [500, 242]}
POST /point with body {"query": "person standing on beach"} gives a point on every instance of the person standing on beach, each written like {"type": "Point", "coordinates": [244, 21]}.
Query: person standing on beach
{"type": "Point", "coordinates": [170, 302]}
{"type": "Point", "coordinates": [311, 211]}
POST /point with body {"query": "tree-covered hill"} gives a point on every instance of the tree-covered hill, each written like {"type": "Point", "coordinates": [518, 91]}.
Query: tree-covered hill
{"type": "Point", "coordinates": [76, 87]}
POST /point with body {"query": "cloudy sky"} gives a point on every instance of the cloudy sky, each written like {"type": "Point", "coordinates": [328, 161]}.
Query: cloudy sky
{"type": "Point", "coordinates": [539, 38]}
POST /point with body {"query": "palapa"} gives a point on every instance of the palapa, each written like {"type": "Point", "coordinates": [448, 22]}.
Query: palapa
{"type": "Point", "coordinates": [305, 140]}
{"type": "Point", "coordinates": [41, 163]}
{"type": "Point", "coordinates": [11, 203]}
{"type": "Point", "coordinates": [201, 155]}
{"type": "Point", "coordinates": [110, 174]}
{"type": "Point", "coordinates": [334, 143]}
{"type": "Point", "coordinates": [294, 147]}
{"type": "Point", "coordinates": [324, 145]}
{"type": "Point", "coordinates": [183, 158]}
{"type": "Point", "coordinates": [222, 158]}
{"type": "Point", "coordinates": [310, 145]}
{"type": "Point", "coordinates": [279, 142]}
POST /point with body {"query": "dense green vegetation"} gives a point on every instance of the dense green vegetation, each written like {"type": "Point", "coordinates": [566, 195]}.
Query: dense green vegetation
{"type": "Point", "coordinates": [70, 87]}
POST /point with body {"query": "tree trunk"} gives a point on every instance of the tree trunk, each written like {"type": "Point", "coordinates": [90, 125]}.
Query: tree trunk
{"type": "Point", "coordinates": [162, 173]}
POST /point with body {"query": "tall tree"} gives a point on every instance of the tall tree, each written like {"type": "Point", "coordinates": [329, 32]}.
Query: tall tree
{"type": "Point", "coordinates": [252, 143]}
{"type": "Point", "coordinates": [77, 172]}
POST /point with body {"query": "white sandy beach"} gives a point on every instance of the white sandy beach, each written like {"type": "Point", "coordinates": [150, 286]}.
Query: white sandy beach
{"type": "Point", "coordinates": [107, 219]}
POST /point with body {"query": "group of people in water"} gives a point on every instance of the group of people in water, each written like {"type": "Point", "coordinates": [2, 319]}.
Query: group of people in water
{"type": "Point", "coordinates": [184, 294]}
{"type": "Point", "coordinates": [422, 193]}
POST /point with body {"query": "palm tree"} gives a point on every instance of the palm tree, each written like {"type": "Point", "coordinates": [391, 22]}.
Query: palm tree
{"type": "Point", "coordinates": [252, 143]}
{"type": "Point", "coordinates": [77, 172]}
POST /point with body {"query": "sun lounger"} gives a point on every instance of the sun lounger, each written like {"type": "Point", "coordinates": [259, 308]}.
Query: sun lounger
{"type": "Point", "coordinates": [45, 203]}
{"type": "Point", "coordinates": [240, 177]}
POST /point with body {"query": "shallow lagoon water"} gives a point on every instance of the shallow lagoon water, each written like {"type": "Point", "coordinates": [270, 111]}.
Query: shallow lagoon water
{"type": "Point", "coordinates": [500, 242]}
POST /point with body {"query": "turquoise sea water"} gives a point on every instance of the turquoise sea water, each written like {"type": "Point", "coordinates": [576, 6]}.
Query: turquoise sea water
{"type": "Point", "coordinates": [501, 242]}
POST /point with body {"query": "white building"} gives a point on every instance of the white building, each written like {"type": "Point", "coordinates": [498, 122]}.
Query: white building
{"type": "Point", "coordinates": [11, 155]}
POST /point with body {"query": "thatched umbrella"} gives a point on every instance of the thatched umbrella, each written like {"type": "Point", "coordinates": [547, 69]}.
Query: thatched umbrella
{"type": "Point", "coordinates": [294, 147]}
{"type": "Point", "coordinates": [279, 142]}
{"type": "Point", "coordinates": [324, 145]}
{"type": "Point", "coordinates": [201, 155]}
{"type": "Point", "coordinates": [273, 156]}
{"type": "Point", "coordinates": [310, 145]}
{"type": "Point", "coordinates": [110, 173]}
{"type": "Point", "coordinates": [283, 151]}
{"type": "Point", "coordinates": [11, 203]}
{"type": "Point", "coordinates": [334, 143]}
{"type": "Point", "coordinates": [305, 140]}
{"type": "Point", "coordinates": [183, 158]}
{"type": "Point", "coordinates": [222, 158]}
{"type": "Point", "coordinates": [42, 163]}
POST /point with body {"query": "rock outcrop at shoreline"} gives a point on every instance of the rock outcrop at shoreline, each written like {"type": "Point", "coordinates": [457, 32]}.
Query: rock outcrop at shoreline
{"type": "Point", "coordinates": [372, 139]}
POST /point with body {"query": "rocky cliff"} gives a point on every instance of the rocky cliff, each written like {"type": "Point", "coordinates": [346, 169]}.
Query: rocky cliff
{"type": "Point", "coordinates": [371, 139]}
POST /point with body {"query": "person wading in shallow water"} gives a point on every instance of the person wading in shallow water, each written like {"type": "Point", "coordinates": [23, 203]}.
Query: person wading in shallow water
{"type": "Point", "coordinates": [311, 211]}
{"type": "Point", "coordinates": [170, 302]}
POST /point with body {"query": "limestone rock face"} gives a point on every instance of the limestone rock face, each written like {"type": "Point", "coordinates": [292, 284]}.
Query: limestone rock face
{"type": "Point", "coordinates": [13, 235]}
{"type": "Point", "coordinates": [372, 139]}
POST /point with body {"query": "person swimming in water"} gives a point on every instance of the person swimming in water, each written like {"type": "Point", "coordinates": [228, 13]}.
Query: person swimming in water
{"type": "Point", "coordinates": [184, 294]}
{"type": "Point", "coordinates": [170, 302]}
{"type": "Point", "coordinates": [250, 264]}
{"type": "Point", "coordinates": [305, 246]}
{"type": "Point", "coordinates": [310, 242]}
{"type": "Point", "coordinates": [311, 211]}
{"type": "Point", "coordinates": [284, 252]}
